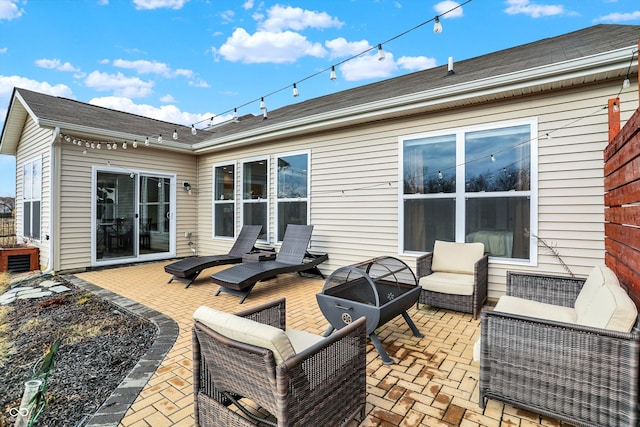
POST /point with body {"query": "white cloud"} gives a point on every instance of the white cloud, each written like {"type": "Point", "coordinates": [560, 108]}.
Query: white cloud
{"type": "Point", "coordinates": [159, 4]}
{"type": "Point", "coordinates": [120, 85]}
{"type": "Point", "coordinates": [7, 83]}
{"type": "Point", "coordinates": [3, 50]}
{"type": "Point", "coordinates": [144, 67]}
{"type": "Point", "coordinates": [247, 5]}
{"type": "Point", "coordinates": [340, 47]}
{"type": "Point", "coordinates": [261, 47]}
{"type": "Point", "coordinates": [368, 67]}
{"type": "Point", "coordinates": [9, 10]}
{"type": "Point", "coordinates": [525, 7]}
{"type": "Point", "coordinates": [168, 113]}
{"type": "Point", "coordinates": [56, 64]}
{"type": "Point", "coordinates": [446, 6]}
{"type": "Point", "coordinates": [227, 15]}
{"type": "Point", "coordinates": [167, 99]}
{"type": "Point", "coordinates": [416, 63]}
{"type": "Point", "coordinates": [620, 17]}
{"type": "Point", "coordinates": [281, 18]}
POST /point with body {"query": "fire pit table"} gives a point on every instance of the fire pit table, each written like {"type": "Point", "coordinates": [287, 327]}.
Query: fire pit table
{"type": "Point", "coordinates": [379, 289]}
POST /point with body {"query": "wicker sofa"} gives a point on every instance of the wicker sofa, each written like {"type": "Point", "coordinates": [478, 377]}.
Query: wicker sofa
{"type": "Point", "coordinates": [298, 378]}
{"type": "Point", "coordinates": [564, 347]}
{"type": "Point", "coordinates": [454, 276]}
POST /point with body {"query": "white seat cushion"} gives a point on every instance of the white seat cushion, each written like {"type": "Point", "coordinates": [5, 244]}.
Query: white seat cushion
{"type": "Point", "coordinates": [456, 257]}
{"type": "Point", "coordinates": [540, 310]}
{"type": "Point", "coordinates": [610, 308]}
{"type": "Point", "coordinates": [301, 340]}
{"type": "Point", "coordinates": [448, 283]}
{"type": "Point", "coordinates": [247, 331]}
{"type": "Point", "coordinates": [594, 281]}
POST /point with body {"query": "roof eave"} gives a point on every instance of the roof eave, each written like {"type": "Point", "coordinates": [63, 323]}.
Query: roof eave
{"type": "Point", "coordinates": [434, 99]}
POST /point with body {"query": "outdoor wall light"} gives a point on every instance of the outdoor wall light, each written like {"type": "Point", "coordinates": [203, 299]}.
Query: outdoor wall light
{"type": "Point", "coordinates": [187, 187]}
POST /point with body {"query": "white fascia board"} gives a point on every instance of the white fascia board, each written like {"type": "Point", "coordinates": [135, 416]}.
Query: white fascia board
{"type": "Point", "coordinates": [607, 61]}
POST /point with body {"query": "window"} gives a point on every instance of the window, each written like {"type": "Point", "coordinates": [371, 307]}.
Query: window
{"type": "Point", "coordinates": [255, 205]}
{"type": "Point", "coordinates": [471, 185]}
{"type": "Point", "coordinates": [293, 189]}
{"type": "Point", "coordinates": [224, 190]}
{"type": "Point", "coordinates": [31, 195]}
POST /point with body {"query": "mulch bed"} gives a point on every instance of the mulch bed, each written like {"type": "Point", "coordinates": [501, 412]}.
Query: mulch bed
{"type": "Point", "coordinates": [101, 343]}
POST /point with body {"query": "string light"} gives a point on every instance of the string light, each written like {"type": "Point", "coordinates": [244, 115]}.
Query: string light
{"type": "Point", "coordinates": [193, 129]}
{"type": "Point", "coordinates": [493, 158]}
{"type": "Point", "coordinates": [380, 53]}
{"type": "Point", "coordinates": [331, 69]}
{"type": "Point", "coordinates": [160, 139]}
{"type": "Point", "coordinates": [437, 26]}
{"type": "Point", "coordinates": [295, 90]}
{"type": "Point", "coordinates": [146, 141]}
{"type": "Point", "coordinates": [626, 83]}
{"type": "Point", "coordinates": [175, 134]}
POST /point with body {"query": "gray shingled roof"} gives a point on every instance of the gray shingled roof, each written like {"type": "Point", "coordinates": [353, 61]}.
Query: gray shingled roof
{"type": "Point", "coordinates": [589, 41]}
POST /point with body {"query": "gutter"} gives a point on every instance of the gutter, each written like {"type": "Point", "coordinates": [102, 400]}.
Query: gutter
{"type": "Point", "coordinates": [603, 62]}
{"type": "Point", "coordinates": [53, 204]}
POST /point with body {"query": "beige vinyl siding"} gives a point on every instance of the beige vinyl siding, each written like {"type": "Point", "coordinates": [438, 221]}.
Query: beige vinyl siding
{"type": "Point", "coordinates": [35, 143]}
{"type": "Point", "coordinates": [354, 180]}
{"type": "Point", "coordinates": [76, 197]}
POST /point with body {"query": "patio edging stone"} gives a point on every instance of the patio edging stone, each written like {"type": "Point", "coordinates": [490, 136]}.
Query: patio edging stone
{"type": "Point", "coordinates": [113, 410]}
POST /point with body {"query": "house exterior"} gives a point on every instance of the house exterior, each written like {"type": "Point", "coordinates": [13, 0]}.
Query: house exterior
{"type": "Point", "coordinates": [506, 150]}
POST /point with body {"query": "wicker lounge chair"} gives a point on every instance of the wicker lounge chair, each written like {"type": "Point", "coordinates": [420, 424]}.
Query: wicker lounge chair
{"type": "Point", "coordinates": [291, 258]}
{"type": "Point", "coordinates": [583, 375]}
{"type": "Point", "coordinates": [460, 281]}
{"type": "Point", "coordinates": [187, 270]}
{"type": "Point", "coordinates": [301, 379]}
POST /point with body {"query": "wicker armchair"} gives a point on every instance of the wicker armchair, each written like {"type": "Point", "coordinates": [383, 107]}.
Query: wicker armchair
{"type": "Point", "coordinates": [323, 384]}
{"type": "Point", "coordinates": [583, 375]}
{"type": "Point", "coordinates": [466, 303]}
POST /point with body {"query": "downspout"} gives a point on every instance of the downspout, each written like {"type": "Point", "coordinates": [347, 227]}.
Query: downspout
{"type": "Point", "coordinates": [52, 203]}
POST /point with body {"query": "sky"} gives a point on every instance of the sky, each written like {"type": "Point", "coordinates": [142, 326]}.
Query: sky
{"type": "Point", "coordinates": [186, 61]}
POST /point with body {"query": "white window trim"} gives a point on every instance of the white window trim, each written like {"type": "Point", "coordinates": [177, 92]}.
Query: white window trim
{"type": "Point", "coordinates": [214, 201]}
{"type": "Point", "coordinates": [460, 205]}
{"type": "Point", "coordinates": [31, 199]}
{"type": "Point", "coordinates": [242, 200]}
{"type": "Point", "coordinates": [274, 195]}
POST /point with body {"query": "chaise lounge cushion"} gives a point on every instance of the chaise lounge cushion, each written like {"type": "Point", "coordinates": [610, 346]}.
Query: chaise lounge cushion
{"type": "Point", "coordinates": [247, 331]}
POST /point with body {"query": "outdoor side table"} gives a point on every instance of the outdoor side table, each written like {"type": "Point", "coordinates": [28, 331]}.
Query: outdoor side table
{"type": "Point", "coordinates": [379, 289]}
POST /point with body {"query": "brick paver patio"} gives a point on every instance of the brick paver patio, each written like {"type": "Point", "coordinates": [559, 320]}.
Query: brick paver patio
{"type": "Point", "coordinates": [433, 383]}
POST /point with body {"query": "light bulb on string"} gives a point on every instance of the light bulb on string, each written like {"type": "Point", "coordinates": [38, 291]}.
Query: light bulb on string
{"type": "Point", "coordinates": [380, 53]}
{"type": "Point", "coordinates": [99, 146]}
{"type": "Point", "coordinates": [626, 83]}
{"type": "Point", "coordinates": [333, 76]}
{"type": "Point", "coordinates": [146, 141]}
{"type": "Point", "coordinates": [439, 174]}
{"type": "Point", "coordinates": [235, 114]}
{"type": "Point", "coordinates": [193, 130]}
{"type": "Point", "coordinates": [124, 145]}
{"type": "Point", "coordinates": [160, 139]}
{"type": "Point", "coordinates": [295, 90]}
{"type": "Point", "coordinates": [262, 104]}
{"type": "Point", "coordinates": [114, 146]}
{"type": "Point", "coordinates": [615, 107]}
{"type": "Point", "coordinates": [108, 146]}
{"type": "Point", "coordinates": [84, 151]}
{"type": "Point", "coordinates": [437, 25]}
{"type": "Point", "coordinates": [493, 158]}
{"type": "Point", "coordinates": [135, 143]}
{"type": "Point", "coordinates": [175, 134]}
{"type": "Point", "coordinates": [93, 145]}
{"type": "Point", "coordinates": [86, 144]}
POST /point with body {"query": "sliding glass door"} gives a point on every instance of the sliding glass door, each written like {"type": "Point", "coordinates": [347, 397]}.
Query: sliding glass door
{"type": "Point", "coordinates": [133, 216]}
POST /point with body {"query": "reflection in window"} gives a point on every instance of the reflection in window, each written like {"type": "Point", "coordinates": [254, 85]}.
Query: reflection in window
{"type": "Point", "coordinates": [254, 195]}
{"type": "Point", "coordinates": [293, 188]}
{"type": "Point", "coordinates": [491, 205]}
{"type": "Point", "coordinates": [31, 195]}
{"type": "Point", "coordinates": [223, 200]}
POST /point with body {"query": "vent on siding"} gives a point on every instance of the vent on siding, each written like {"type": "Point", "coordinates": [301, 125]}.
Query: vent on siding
{"type": "Point", "coordinates": [19, 263]}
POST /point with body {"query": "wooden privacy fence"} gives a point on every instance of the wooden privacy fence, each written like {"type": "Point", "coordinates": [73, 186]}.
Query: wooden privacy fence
{"type": "Point", "coordinates": [622, 204]}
